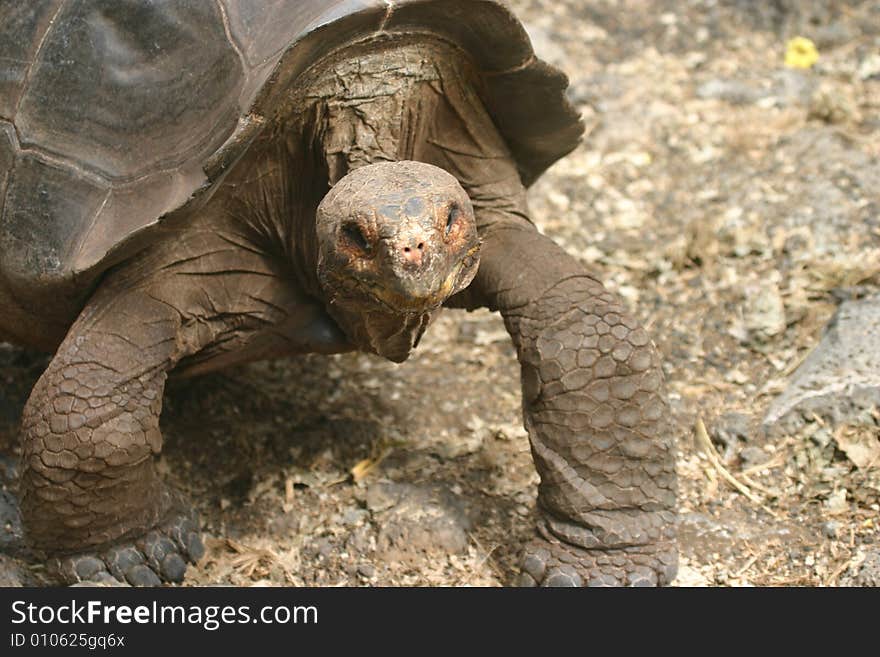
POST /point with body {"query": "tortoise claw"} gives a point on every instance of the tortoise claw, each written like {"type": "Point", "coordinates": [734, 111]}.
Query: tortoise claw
{"type": "Point", "coordinates": [159, 556]}
{"type": "Point", "coordinates": [554, 563]}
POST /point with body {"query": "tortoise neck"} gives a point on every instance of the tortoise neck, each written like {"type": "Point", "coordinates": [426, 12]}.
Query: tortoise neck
{"type": "Point", "coordinates": [377, 99]}
{"type": "Point", "coordinates": [389, 335]}
{"type": "Point", "coordinates": [371, 102]}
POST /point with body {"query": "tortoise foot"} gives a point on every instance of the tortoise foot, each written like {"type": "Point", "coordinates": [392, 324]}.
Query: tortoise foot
{"type": "Point", "coordinates": [550, 562]}
{"type": "Point", "coordinates": [158, 556]}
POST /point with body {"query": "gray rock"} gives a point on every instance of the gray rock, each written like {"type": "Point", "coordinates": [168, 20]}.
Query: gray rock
{"type": "Point", "coordinates": [729, 431]}
{"type": "Point", "coordinates": [752, 456]}
{"type": "Point", "coordinates": [763, 312]}
{"type": "Point", "coordinates": [831, 528]}
{"type": "Point", "coordinates": [821, 436]}
{"type": "Point", "coordinates": [793, 87]}
{"type": "Point", "coordinates": [13, 573]}
{"type": "Point", "coordinates": [354, 516]}
{"type": "Point", "coordinates": [735, 92]}
{"type": "Point", "coordinates": [380, 497]}
{"type": "Point", "coordinates": [868, 573]}
{"type": "Point", "coordinates": [422, 518]}
{"type": "Point", "coordinates": [840, 380]}
{"type": "Point", "coordinates": [869, 69]}
{"type": "Point", "coordinates": [834, 34]}
{"type": "Point", "coordinates": [11, 533]}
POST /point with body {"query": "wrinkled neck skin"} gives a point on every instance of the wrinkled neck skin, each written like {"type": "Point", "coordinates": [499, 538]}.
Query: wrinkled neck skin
{"type": "Point", "coordinates": [390, 335]}
{"type": "Point", "coordinates": [365, 106]}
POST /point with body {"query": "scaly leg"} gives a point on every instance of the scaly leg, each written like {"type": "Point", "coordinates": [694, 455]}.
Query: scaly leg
{"type": "Point", "coordinates": [595, 411]}
{"type": "Point", "coordinates": [90, 430]}
{"type": "Point", "coordinates": [90, 492]}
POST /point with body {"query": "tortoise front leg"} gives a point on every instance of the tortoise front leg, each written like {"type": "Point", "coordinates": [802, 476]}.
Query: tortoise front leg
{"type": "Point", "coordinates": [596, 414]}
{"type": "Point", "coordinates": [90, 492]}
{"type": "Point", "coordinates": [90, 430]}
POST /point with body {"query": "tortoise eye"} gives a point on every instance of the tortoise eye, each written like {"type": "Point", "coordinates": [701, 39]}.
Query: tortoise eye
{"type": "Point", "coordinates": [356, 237]}
{"type": "Point", "coordinates": [452, 217]}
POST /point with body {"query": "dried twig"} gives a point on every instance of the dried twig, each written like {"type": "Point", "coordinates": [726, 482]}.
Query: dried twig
{"type": "Point", "coordinates": [247, 559]}
{"type": "Point", "coordinates": [831, 580]}
{"type": "Point", "coordinates": [773, 463]}
{"type": "Point", "coordinates": [751, 562]}
{"type": "Point", "coordinates": [771, 492]}
{"type": "Point", "coordinates": [483, 560]}
{"type": "Point", "coordinates": [362, 468]}
{"type": "Point", "coordinates": [708, 448]}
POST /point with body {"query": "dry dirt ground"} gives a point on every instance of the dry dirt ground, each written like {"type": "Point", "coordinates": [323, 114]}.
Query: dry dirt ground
{"type": "Point", "coordinates": [733, 202]}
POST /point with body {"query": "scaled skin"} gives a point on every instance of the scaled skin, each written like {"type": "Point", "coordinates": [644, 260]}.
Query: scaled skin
{"type": "Point", "coordinates": [275, 266]}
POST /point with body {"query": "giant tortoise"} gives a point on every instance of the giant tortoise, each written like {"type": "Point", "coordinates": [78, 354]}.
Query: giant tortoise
{"type": "Point", "coordinates": [193, 184]}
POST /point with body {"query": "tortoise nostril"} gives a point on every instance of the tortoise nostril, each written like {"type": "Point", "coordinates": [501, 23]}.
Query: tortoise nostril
{"type": "Point", "coordinates": [414, 255]}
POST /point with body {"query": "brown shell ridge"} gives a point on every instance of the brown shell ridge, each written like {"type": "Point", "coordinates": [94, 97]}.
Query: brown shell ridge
{"type": "Point", "coordinates": [36, 56]}
{"type": "Point", "coordinates": [163, 166]}
{"type": "Point", "coordinates": [236, 46]}
{"type": "Point", "coordinates": [75, 250]}
{"type": "Point", "coordinates": [388, 13]}
{"type": "Point", "coordinates": [48, 157]}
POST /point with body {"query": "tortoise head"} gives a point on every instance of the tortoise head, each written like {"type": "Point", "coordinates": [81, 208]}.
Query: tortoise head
{"type": "Point", "coordinates": [396, 238]}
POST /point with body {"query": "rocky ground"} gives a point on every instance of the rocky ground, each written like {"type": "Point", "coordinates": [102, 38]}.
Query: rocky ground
{"type": "Point", "coordinates": [733, 201]}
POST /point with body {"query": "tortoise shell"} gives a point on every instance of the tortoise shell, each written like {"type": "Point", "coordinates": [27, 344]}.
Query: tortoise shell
{"type": "Point", "coordinates": [116, 115]}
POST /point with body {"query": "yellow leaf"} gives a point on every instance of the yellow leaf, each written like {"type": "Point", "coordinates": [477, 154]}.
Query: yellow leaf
{"type": "Point", "coordinates": [800, 52]}
{"type": "Point", "coordinates": [362, 468]}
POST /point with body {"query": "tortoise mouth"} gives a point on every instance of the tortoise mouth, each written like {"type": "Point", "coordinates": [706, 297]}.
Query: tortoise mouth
{"type": "Point", "coordinates": [397, 296]}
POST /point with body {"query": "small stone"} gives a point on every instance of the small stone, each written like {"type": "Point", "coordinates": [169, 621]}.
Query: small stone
{"type": "Point", "coordinates": [729, 431]}
{"type": "Point", "coordinates": [764, 312]}
{"type": "Point", "coordinates": [379, 497]}
{"type": "Point", "coordinates": [793, 87]}
{"type": "Point", "coordinates": [689, 577]}
{"type": "Point", "coordinates": [735, 92]}
{"type": "Point", "coordinates": [424, 518]}
{"type": "Point", "coordinates": [868, 573]}
{"type": "Point", "coordinates": [737, 376]}
{"type": "Point", "coordinates": [830, 529]}
{"type": "Point", "coordinates": [821, 436]}
{"type": "Point", "coordinates": [869, 68]}
{"type": "Point", "coordinates": [13, 573]}
{"type": "Point", "coordinates": [732, 426]}
{"type": "Point", "coordinates": [367, 570]}
{"type": "Point", "coordinates": [836, 502]}
{"type": "Point", "coordinates": [752, 456]}
{"type": "Point", "coordinates": [354, 516]}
